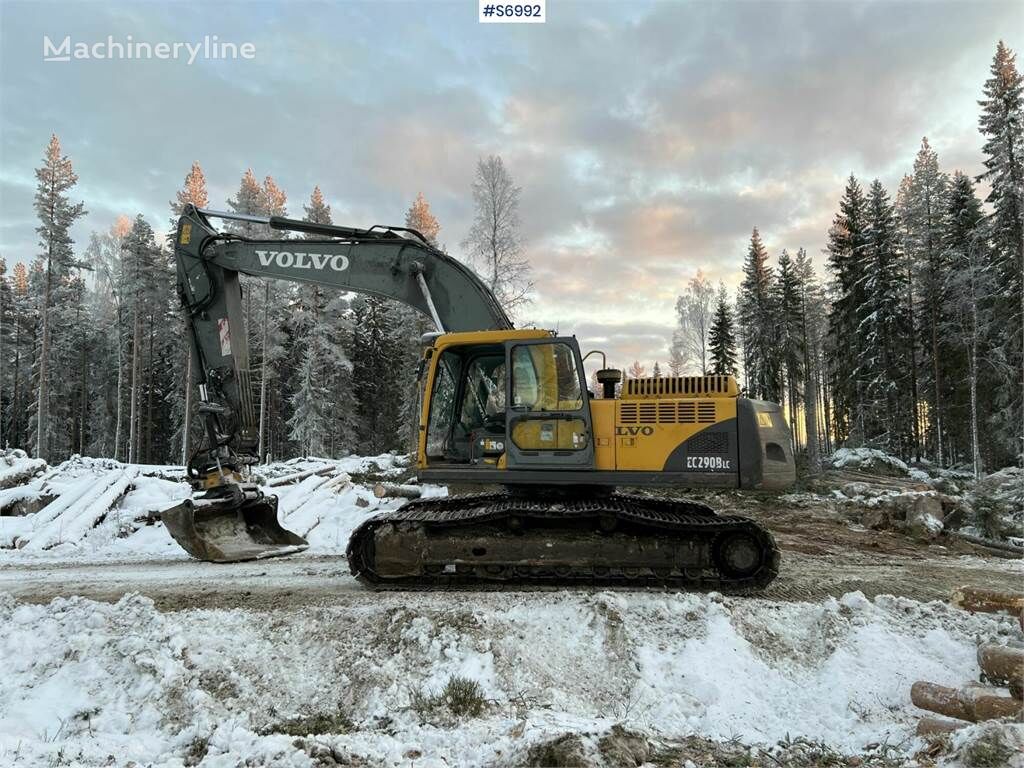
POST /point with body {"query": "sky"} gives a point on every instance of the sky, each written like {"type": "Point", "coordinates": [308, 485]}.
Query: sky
{"type": "Point", "coordinates": [647, 138]}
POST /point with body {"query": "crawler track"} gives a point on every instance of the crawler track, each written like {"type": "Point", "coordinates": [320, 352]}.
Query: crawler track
{"type": "Point", "coordinates": [614, 540]}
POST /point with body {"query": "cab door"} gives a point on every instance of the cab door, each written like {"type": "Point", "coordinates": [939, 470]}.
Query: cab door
{"type": "Point", "coordinates": [548, 423]}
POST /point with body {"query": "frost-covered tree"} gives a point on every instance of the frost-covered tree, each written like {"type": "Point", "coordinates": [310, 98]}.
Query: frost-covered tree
{"type": "Point", "coordinates": [141, 288]}
{"type": "Point", "coordinates": [883, 326]}
{"type": "Point", "coordinates": [970, 283]}
{"type": "Point", "coordinates": [694, 310]}
{"type": "Point", "coordinates": [410, 327]}
{"type": "Point", "coordinates": [264, 306]}
{"type": "Point", "coordinates": [814, 317]}
{"type": "Point", "coordinates": [923, 211]}
{"type": "Point", "coordinates": [494, 243]}
{"type": "Point", "coordinates": [193, 192]}
{"type": "Point", "coordinates": [847, 246]}
{"type": "Point", "coordinates": [758, 321]}
{"type": "Point", "coordinates": [421, 218]}
{"type": "Point", "coordinates": [19, 354]}
{"type": "Point", "coordinates": [722, 336]}
{"type": "Point", "coordinates": [790, 335]}
{"type": "Point", "coordinates": [322, 416]}
{"type": "Point", "coordinates": [1002, 125]}
{"type": "Point", "coordinates": [377, 391]}
{"type": "Point", "coordinates": [636, 370]}
{"type": "Point", "coordinates": [55, 179]}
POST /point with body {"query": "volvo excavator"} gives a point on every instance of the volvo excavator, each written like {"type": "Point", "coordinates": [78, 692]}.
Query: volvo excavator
{"type": "Point", "coordinates": [500, 408]}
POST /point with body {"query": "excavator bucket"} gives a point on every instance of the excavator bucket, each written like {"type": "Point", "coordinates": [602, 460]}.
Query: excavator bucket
{"type": "Point", "coordinates": [228, 528]}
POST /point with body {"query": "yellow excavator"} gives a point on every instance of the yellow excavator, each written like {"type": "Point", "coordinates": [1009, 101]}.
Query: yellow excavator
{"type": "Point", "coordinates": [499, 407]}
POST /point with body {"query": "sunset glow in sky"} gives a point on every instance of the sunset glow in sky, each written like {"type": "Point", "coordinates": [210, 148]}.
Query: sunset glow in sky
{"type": "Point", "coordinates": [648, 138]}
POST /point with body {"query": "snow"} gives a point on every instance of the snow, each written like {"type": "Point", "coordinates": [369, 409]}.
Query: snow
{"type": "Point", "coordinates": [93, 683]}
{"type": "Point", "coordinates": [106, 509]}
{"type": "Point", "coordinates": [867, 458]}
{"type": "Point", "coordinates": [93, 679]}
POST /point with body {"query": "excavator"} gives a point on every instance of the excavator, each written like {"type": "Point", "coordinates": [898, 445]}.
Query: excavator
{"type": "Point", "coordinates": [500, 407]}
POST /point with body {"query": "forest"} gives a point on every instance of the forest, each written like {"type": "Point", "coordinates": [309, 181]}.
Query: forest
{"type": "Point", "coordinates": [910, 339]}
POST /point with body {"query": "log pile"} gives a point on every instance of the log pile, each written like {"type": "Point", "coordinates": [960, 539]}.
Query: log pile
{"type": "Point", "coordinates": [999, 695]}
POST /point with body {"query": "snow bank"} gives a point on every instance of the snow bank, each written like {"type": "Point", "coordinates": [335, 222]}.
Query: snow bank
{"type": "Point", "coordinates": [88, 680]}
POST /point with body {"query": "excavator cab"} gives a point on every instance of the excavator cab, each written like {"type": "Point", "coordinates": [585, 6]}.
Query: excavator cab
{"type": "Point", "coordinates": [504, 400]}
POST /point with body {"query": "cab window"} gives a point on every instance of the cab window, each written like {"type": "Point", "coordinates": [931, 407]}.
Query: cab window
{"type": "Point", "coordinates": [545, 378]}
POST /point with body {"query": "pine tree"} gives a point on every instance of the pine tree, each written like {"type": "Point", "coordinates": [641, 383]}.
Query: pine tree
{"type": "Point", "coordinates": [924, 210]}
{"type": "Point", "coordinates": [1002, 125]}
{"type": "Point", "coordinates": [636, 370]}
{"type": "Point", "coordinates": [410, 326]}
{"type": "Point", "coordinates": [883, 326]}
{"type": "Point", "coordinates": [7, 321]}
{"type": "Point", "coordinates": [420, 218]}
{"type": "Point", "coordinates": [814, 318]}
{"type": "Point", "coordinates": [722, 337]}
{"type": "Point", "coordinates": [140, 288]}
{"type": "Point", "coordinates": [323, 411]}
{"type": "Point", "coordinates": [192, 193]}
{"type": "Point", "coordinates": [758, 319]}
{"type": "Point", "coordinates": [249, 200]}
{"type": "Point", "coordinates": [56, 214]}
{"type": "Point", "coordinates": [790, 336]}
{"type": "Point", "coordinates": [374, 385]}
{"type": "Point", "coordinates": [23, 337]}
{"type": "Point", "coordinates": [847, 245]}
{"type": "Point", "coordinates": [970, 283]}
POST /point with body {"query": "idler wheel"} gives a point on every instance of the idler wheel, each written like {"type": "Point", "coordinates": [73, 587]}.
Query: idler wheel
{"type": "Point", "coordinates": [738, 555]}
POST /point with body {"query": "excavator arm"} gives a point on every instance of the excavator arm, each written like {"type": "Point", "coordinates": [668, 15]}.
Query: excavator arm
{"type": "Point", "coordinates": [234, 520]}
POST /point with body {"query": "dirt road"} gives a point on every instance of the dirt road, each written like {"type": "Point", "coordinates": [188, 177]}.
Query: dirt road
{"type": "Point", "coordinates": [823, 556]}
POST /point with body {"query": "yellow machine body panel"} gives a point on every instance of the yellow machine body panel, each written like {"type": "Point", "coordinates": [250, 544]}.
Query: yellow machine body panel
{"type": "Point", "coordinates": [603, 412]}
{"type": "Point", "coordinates": [648, 430]}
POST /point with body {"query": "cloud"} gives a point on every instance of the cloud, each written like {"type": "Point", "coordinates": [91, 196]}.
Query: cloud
{"type": "Point", "coordinates": [648, 138]}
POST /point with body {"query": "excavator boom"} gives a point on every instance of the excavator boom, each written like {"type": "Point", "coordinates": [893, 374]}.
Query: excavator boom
{"type": "Point", "coordinates": [234, 520]}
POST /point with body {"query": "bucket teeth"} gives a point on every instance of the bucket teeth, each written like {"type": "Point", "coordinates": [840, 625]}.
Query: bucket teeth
{"type": "Point", "coordinates": [230, 528]}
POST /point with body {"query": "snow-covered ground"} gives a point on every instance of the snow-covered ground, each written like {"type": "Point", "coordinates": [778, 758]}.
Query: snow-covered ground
{"type": "Point", "coordinates": [87, 680]}
{"type": "Point", "coordinates": [338, 674]}
{"type": "Point", "coordinates": [103, 509]}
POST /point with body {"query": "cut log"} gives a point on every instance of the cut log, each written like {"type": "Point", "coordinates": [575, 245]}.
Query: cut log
{"type": "Point", "coordinates": [937, 726]}
{"type": "Point", "coordinates": [297, 477]}
{"type": "Point", "coordinates": [21, 472]}
{"type": "Point", "coordinates": [339, 482]}
{"type": "Point", "coordinates": [75, 521]}
{"type": "Point", "coordinates": [1003, 665]}
{"type": "Point", "coordinates": [393, 491]}
{"type": "Point", "coordinates": [996, 546]}
{"type": "Point", "coordinates": [979, 599]}
{"type": "Point", "coordinates": [975, 704]}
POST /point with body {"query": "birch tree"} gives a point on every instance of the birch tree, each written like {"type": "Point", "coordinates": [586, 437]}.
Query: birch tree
{"type": "Point", "coordinates": [494, 243]}
{"type": "Point", "coordinates": [694, 310]}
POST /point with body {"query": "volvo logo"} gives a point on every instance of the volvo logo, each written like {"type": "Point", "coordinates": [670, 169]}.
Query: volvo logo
{"type": "Point", "coordinates": [303, 260]}
{"type": "Point", "coordinates": [634, 430]}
